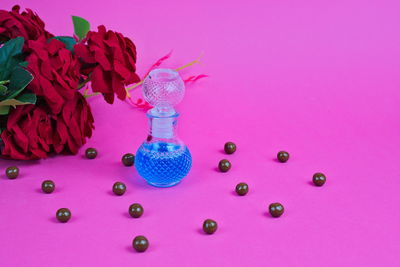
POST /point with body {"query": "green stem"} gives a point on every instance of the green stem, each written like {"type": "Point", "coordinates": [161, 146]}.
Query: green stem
{"type": "Point", "coordinates": [4, 82]}
{"type": "Point", "coordinates": [135, 85]}
{"type": "Point", "coordinates": [90, 95]}
{"type": "Point", "coordinates": [82, 84]}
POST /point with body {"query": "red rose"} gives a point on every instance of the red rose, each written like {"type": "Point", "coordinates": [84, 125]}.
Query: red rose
{"type": "Point", "coordinates": [73, 125]}
{"type": "Point", "coordinates": [28, 134]}
{"type": "Point", "coordinates": [55, 70]}
{"type": "Point", "coordinates": [27, 24]}
{"type": "Point", "coordinates": [33, 133]}
{"type": "Point", "coordinates": [112, 58]}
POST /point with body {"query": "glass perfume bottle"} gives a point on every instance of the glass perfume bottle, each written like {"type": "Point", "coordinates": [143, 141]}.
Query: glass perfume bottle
{"type": "Point", "coordinates": [163, 160]}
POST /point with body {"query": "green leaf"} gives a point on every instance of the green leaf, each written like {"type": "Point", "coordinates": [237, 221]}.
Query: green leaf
{"type": "Point", "coordinates": [81, 26]}
{"type": "Point", "coordinates": [68, 41]}
{"type": "Point", "coordinates": [24, 99]}
{"type": "Point", "coordinates": [24, 64]}
{"type": "Point", "coordinates": [4, 110]}
{"type": "Point", "coordinates": [28, 98]}
{"type": "Point", "coordinates": [20, 78]}
{"type": "Point", "coordinates": [10, 56]}
{"type": "Point", "coordinates": [12, 48]}
{"type": "Point", "coordinates": [3, 89]}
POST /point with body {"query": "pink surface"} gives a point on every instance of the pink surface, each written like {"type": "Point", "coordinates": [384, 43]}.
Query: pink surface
{"type": "Point", "coordinates": [319, 79]}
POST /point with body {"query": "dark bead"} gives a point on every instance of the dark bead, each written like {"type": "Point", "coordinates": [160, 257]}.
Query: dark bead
{"type": "Point", "coordinates": [128, 159]}
{"type": "Point", "coordinates": [242, 189]}
{"type": "Point", "coordinates": [12, 172]}
{"type": "Point", "coordinates": [276, 209]}
{"type": "Point", "coordinates": [224, 165]}
{"type": "Point", "coordinates": [136, 210]}
{"type": "Point", "coordinates": [230, 148]}
{"type": "Point", "coordinates": [149, 138]}
{"type": "Point", "coordinates": [48, 186]}
{"type": "Point", "coordinates": [63, 215]}
{"type": "Point", "coordinates": [91, 153]}
{"type": "Point", "coordinates": [119, 188]}
{"type": "Point", "coordinates": [210, 226]}
{"type": "Point", "coordinates": [140, 243]}
{"type": "Point", "coordinates": [283, 156]}
{"type": "Point", "coordinates": [319, 179]}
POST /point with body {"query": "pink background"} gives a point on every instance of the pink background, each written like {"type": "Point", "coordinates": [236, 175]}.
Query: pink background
{"type": "Point", "coordinates": [319, 79]}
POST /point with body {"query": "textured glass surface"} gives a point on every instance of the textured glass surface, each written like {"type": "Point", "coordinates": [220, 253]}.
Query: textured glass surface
{"type": "Point", "coordinates": [163, 87]}
{"type": "Point", "coordinates": [163, 164]}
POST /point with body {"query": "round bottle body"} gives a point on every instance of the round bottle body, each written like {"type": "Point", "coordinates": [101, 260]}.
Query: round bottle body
{"type": "Point", "coordinates": [163, 164]}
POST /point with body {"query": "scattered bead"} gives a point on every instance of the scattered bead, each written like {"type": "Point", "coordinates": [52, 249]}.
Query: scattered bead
{"type": "Point", "coordinates": [140, 243]}
{"type": "Point", "coordinates": [128, 159]}
{"type": "Point", "coordinates": [12, 172]}
{"type": "Point", "coordinates": [224, 165]}
{"type": "Point", "coordinates": [283, 156]}
{"type": "Point", "coordinates": [136, 210]}
{"type": "Point", "coordinates": [48, 186]}
{"type": "Point", "coordinates": [210, 226]}
{"type": "Point", "coordinates": [63, 215]}
{"type": "Point", "coordinates": [119, 188]}
{"type": "Point", "coordinates": [276, 209]}
{"type": "Point", "coordinates": [229, 148]}
{"type": "Point", "coordinates": [319, 179]}
{"type": "Point", "coordinates": [242, 189]}
{"type": "Point", "coordinates": [91, 153]}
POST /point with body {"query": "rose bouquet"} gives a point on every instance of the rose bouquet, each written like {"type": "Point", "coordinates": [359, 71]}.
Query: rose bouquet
{"type": "Point", "coordinates": [44, 83]}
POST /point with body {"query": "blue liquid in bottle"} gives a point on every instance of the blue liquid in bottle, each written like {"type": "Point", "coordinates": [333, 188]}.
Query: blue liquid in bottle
{"type": "Point", "coordinates": [163, 164]}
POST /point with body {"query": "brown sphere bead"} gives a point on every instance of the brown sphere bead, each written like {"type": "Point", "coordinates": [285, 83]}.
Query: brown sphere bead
{"type": "Point", "coordinates": [119, 188]}
{"type": "Point", "coordinates": [140, 243]}
{"type": "Point", "coordinates": [210, 226]}
{"type": "Point", "coordinates": [63, 215]}
{"type": "Point", "coordinates": [229, 148]}
{"type": "Point", "coordinates": [224, 165]}
{"type": "Point", "coordinates": [242, 189]}
{"type": "Point", "coordinates": [319, 179]}
{"type": "Point", "coordinates": [128, 159]}
{"type": "Point", "coordinates": [136, 210]}
{"type": "Point", "coordinates": [276, 209]}
{"type": "Point", "coordinates": [48, 186]}
{"type": "Point", "coordinates": [91, 153]}
{"type": "Point", "coordinates": [283, 156]}
{"type": "Point", "coordinates": [12, 172]}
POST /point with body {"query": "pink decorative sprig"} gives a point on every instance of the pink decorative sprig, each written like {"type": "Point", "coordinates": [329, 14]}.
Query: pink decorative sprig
{"type": "Point", "coordinates": [158, 63]}
{"type": "Point", "coordinates": [194, 78]}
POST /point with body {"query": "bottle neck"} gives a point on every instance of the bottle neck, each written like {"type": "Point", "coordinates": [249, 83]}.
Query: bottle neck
{"type": "Point", "coordinates": [162, 125]}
